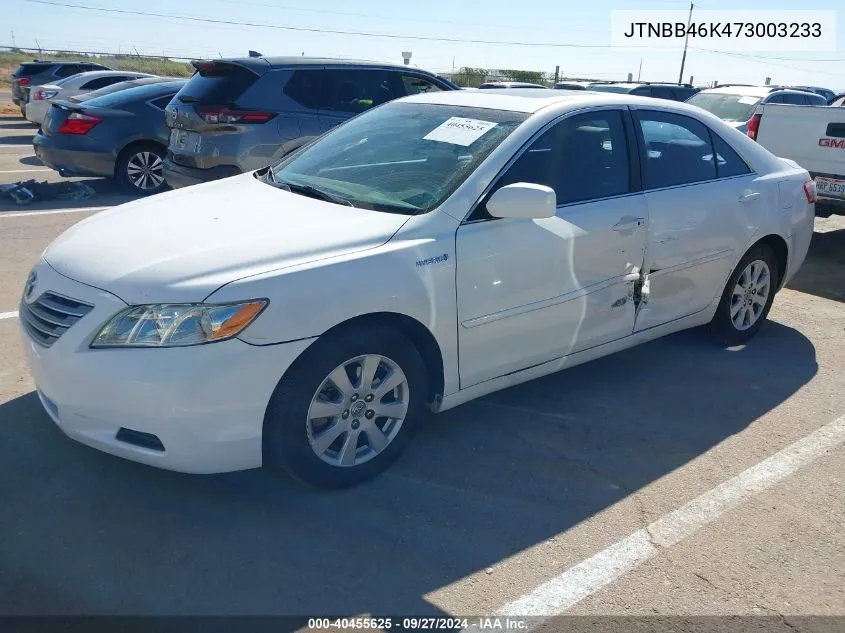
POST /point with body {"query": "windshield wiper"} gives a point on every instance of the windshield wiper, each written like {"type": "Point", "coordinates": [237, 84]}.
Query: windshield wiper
{"type": "Point", "coordinates": [307, 190]}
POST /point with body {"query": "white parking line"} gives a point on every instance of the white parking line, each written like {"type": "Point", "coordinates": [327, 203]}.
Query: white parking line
{"type": "Point", "coordinates": [21, 171]}
{"type": "Point", "coordinates": [8, 315]}
{"type": "Point", "coordinates": [577, 583]}
{"type": "Point", "coordinates": [15, 145]}
{"type": "Point", "coordinates": [51, 211]}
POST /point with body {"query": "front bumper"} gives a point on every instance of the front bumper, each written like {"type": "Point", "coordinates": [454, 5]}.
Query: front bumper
{"type": "Point", "coordinates": [205, 404]}
{"type": "Point", "coordinates": [73, 162]}
{"type": "Point", "coordinates": [181, 176]}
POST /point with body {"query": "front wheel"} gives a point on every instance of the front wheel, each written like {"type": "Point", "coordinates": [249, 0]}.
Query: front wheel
{"type": "Point", "coordinates": [747, 297]}
{"type": "Point", "coordinates": [141, 169]}
{"type": "Point", "coordinates": [347, 409]}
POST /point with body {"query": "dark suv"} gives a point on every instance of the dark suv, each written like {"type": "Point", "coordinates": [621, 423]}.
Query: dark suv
{"type": "Point", "coordinates": [673, 92]}
{"type": "Point", "coordinates": [39, 72]}
{"type": "Point", "coordinates": [236, 115]}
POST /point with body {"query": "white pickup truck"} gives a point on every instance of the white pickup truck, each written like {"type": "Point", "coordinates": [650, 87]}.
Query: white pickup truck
{"type": "Point", "coordinates": [812, 136]}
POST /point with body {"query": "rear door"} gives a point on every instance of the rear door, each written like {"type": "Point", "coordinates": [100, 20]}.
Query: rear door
{"type": "Point", "coordinates": [704, 204]}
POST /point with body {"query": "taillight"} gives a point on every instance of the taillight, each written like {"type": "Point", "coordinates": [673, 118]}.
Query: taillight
{"type": "Point", "coordinates": [78, 123]}
{"type": "Point", "coordinates": [23, 81]}
{"type": "Point", "coordinates": [753, 126]}
{"type": "Point", "coordinates": [810, 191]}
{"type": "Point", "coordinates": [223, 114]}
{"type": "Point", "coordinates": [41, 95]}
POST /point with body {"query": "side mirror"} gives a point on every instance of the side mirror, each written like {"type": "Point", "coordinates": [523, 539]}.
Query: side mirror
{"type": "Point", "coordinates": [523, 200]}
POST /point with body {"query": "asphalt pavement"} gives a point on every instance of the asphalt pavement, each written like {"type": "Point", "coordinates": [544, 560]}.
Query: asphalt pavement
{"type": "Point", "coordinates": [527, 497]}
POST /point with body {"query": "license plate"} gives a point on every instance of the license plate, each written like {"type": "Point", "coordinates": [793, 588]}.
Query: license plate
{"type": "Point", "coordinates": [184, 140]}
{"type": "Point", "coordinates": [830, 187]}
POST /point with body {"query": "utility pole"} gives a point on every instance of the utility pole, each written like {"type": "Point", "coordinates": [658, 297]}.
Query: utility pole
{"type": "Point", "coordinates": [13, 39]}
{"type": "Point", "coordinates": [640, 71]}
{"type": "Point", "coordinates": [686, 39]}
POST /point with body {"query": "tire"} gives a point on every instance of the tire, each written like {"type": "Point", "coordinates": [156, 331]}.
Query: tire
{"type": "Point", "coordinates": [140, 168]}
{"type": "Point", "coordinates": [726, 327]}
{"type": "Point", "coordinates": [23, 111]}
{"type": "Point", "coordinates": [290, 425]}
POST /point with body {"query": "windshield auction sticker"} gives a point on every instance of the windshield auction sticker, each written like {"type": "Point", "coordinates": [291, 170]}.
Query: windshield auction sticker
{"type": "Point", "coordinates": [725, 31]}
{"type": "Point", "coordinates": [459, 131]}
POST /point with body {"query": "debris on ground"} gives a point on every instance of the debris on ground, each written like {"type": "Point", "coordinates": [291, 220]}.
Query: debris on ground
{"type": "Point", "coordinates": [26, 191]}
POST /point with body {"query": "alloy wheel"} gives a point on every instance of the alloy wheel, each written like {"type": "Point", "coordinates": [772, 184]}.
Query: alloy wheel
{"type": "Point", "coordinates": [358, 410]}
{"type": "Point", "coordinates": [750, 294]}
{"type": "Point", "coordinates": [145, 171]}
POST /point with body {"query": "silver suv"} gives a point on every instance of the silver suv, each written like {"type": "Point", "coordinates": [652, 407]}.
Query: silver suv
{"type": "Point", "coordinates": [236, 115]}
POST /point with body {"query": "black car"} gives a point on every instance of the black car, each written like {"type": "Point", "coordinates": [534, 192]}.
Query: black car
{"type": "Point", "coordinates": [236, 115]}
{"type": "Point", "coordinates": [121, 135]}
{"type": "Point", "coordinates": [39, 72]}
{"type": "Point", "coordinates": [673, 92]}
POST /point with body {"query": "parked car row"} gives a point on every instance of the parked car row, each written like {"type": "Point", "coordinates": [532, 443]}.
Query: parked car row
{"type": "Point", "coordinates": [231, 116]}
{"type": "Point", "coordinates": [237, 115]}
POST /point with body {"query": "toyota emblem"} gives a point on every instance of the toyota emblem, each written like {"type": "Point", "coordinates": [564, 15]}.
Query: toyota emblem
{"type": "Point", "coordinates": [29, 289]}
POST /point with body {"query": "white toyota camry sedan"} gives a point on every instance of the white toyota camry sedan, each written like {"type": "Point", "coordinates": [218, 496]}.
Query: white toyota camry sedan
{"type": "Point", "coordinates": [425, 253]}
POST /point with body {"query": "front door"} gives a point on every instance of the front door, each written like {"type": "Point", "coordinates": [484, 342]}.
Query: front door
{"type": "Point", "coordinates": [530, 291]}
{"type": "Point", "coordinates": [703, 206]}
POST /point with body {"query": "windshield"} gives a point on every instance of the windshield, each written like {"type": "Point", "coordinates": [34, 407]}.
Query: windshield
{"type": "Point", "coordinates": [728, 107]}
{"type": "Point", "coordinates": [400, 157]}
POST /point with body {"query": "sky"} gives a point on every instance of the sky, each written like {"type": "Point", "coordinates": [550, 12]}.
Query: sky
{"type": "Point", "coordinates": [537, 35]}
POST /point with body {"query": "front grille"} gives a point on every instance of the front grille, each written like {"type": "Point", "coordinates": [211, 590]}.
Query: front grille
{"type": "Point", "coordinates": [48, 317]}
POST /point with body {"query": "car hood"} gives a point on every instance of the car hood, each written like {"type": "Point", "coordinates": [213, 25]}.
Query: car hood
{"type": "Point", "coordinates": [182, 245]}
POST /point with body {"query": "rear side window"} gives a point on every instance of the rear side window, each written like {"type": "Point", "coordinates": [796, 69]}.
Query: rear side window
{"type": "Point", "coordinates": [663, 92]}
{"type": "Point", "coordinates": [678, 150]}
{"type": "Point", "coordinates": [728, 162]}
{"type": "Point", "coordinates": [66, 70]}
{"type": "Point", "coordinates": [644, 91]}
{"type": "Point", "coordinates": [793, 99]}
{"type": "Point", "coordinates": [306, 88]}
{"type": "Point", "coordinates": [102, 82]}
{"type": "Point", "coordinates": [138, 93]}
{"type": "Point", "coordinates": [220, 84]}
{"type": "Point", "coordinates": [815, 99]}
{"type": "Point", "coordinates": [29, 70]}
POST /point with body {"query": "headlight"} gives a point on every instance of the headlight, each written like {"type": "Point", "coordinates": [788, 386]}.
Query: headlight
{"type": "Point", "coordinates": [177, 324]}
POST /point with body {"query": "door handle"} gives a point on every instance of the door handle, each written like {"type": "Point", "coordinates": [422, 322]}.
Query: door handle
{"type": "Point", "coordinates": [628, 224]}
{"type": "Point", "coordinates": [749, 196]}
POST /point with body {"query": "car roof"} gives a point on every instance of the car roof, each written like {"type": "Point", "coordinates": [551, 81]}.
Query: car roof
{"type": "Point", "coordinates": [263, 63]}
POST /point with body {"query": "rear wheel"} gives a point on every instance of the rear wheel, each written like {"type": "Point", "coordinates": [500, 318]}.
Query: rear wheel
{"type": "Point", "coordinates": [747, 297]}
{"type": "Point", "coordinates": [347, 409]}
{"type": "Point", "coordinates": [141, 169]}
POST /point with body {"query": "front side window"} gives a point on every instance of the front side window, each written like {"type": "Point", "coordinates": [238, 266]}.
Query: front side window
{"type": "Point", "coordinates": [401, 158]}
{"type": "Point", "coordinates": [354, 91]}
{"type": "Point", "coordinates": [794, 99]}
{"type": "Point", "coordinates": [677, 150]}
{"type": "Point", "coordinates": [584, 157]}
{"type": "Point", "coordinates": [663, 92]}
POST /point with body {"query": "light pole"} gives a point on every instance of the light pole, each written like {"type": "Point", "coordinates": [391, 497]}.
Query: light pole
{"type": "Point", "coordinates": [686, 39]}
